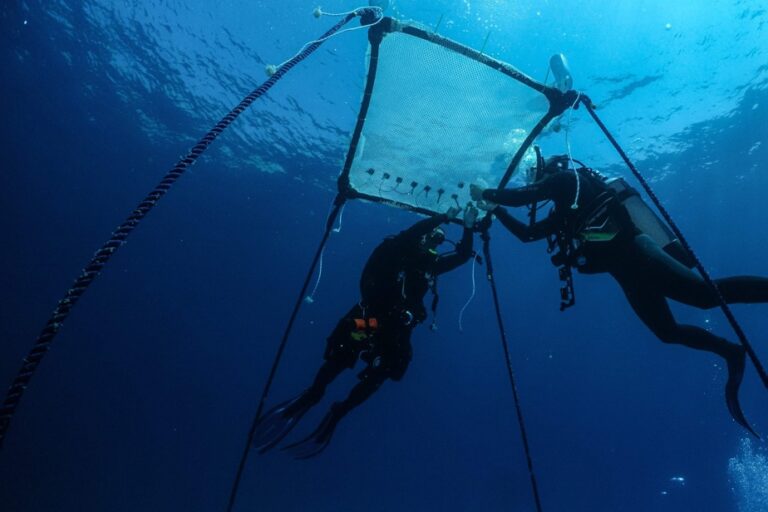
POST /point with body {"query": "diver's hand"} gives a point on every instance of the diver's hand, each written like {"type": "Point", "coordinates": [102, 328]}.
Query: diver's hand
{"type": "Point", "coordinates": [476, 192]}
{"type": "Point", "coordinates": [470, 216]}
{"type": "Point", "coordinates": [484, 224]}
{"type": "Point", "coordinates": [452, 212]}
{"type": "Point", "coordinates": [486, 205]}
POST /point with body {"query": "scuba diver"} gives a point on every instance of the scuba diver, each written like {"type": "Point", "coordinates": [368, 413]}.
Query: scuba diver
{"type": "Point", "coordinates": [599, 225]}
{"type": "Point", "coordinates": [377, 330]}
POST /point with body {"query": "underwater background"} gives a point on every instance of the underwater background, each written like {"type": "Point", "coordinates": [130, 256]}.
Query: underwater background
{"type": "Point", "coordinates": [146, 398]}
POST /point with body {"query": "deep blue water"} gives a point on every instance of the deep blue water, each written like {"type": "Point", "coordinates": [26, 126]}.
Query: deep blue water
{"type": "Point", "coordinates": [145, 400]}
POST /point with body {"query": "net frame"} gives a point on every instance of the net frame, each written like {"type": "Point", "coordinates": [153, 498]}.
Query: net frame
{"type": "Point", "coordinates": [558, 101]}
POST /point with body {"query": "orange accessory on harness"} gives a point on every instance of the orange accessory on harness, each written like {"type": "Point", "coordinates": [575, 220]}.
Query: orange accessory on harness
{"type": "Point", "coordinates": [364, 328]}
{"type": "Point", "coordinates": [362, 324]}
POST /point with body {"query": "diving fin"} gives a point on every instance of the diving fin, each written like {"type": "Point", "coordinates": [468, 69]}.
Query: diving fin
{"type": "Point", "coordinates": [736, 365]}
{"type": "Point", "coordinates": [318, 440]}
{"type": "Point", "coordinates": [278, 422]}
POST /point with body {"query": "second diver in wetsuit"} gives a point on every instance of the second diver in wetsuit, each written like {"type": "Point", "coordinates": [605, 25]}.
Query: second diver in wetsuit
{"type": "Point", "coordinates": [377, 330]}
{"type": "Point", "coordinates": [595, 233]}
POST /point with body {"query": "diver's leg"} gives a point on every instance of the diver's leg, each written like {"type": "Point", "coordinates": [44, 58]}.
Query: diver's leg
{"type": "Point", "coordinates": [314, 393]}
{"type": "Point", "coordinates": [370, 381]}
{"type": "Point", "coordinates": [395, 355]}
{"type": "Point", "coordinates": [281, 419]}
{"type": "Point", "coordinates": [340, 353]}
{"type": "Point", "coordinates": [317, 441]}
{"type": "Point", "coordinates": [743, 289]}
{"type": "Point", "coordinates": [652, 308]}
{"type": "Point", "coordinates": [390, 360]}
{"type": "Point", "coordinates": [680, 283]}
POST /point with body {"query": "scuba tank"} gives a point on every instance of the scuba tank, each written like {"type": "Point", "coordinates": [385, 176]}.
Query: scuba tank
{"type": "Point", "coordinates": [563, 81]}
{"type": "Point", "coordinates": [647, 222]}
{"type": "Point", "coordinates": [563, 78]}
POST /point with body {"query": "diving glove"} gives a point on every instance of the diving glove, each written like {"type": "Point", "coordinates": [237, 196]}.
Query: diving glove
{"type": "Point", "coordinates": [470, 216]}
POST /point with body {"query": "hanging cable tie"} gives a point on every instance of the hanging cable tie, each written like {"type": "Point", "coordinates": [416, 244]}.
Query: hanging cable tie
{"type": "Point", "coordinates": [309, 299]}
{"type": "Point", "coordinates": [337, 229]}
{"type": "Point", "coordinates": [317, 13]}
{"type": "Point", "coordinates": [472, 296]}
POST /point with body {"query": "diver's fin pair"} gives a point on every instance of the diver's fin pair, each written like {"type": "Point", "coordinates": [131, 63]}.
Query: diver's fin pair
{"type": "Point", "coordinates": [736, 365]}
{"type": "Point", "coordinates": [278, 422]}
{"type": "Point", "coordinates": [318, 440]}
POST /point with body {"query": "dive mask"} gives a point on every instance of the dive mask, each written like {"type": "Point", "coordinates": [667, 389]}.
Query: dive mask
{"type": "Point", "coordinates": [432, 240]}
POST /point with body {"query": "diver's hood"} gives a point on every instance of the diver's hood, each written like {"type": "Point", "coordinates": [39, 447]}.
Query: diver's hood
{"type": "Point", "coordinates": [547, 166]}
{"type": "Point", "coordinates": [431, 241]}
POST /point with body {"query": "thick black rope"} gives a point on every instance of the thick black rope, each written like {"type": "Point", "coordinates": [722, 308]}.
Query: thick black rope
{"type": "Point", "coordinates": [93, 268]}
{"type": "Point", "coordinates": [699, 266]}
{"type": "Point", "coordinates": [338, 203]}
{"type": "Point", "coordinates": [489, 272]}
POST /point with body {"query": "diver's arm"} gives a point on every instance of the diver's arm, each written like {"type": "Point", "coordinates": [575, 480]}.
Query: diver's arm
{"type": "Point", "coordinates": [550, 187]}
{"type": "Point", "coordinates": [523, 231]}
{"type": "Point", "coordinates": [458, 257]}
{"type": "Point", "coordinates": [421, 228]}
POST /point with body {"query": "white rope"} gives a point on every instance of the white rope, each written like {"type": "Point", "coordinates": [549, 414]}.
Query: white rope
{"type": "Point", "coordinates": [474, 287]}
{"type": "Point", "coordinates": [337, 229]}
{"type": "Point", "coordinates": [575, 204]}
{"type": "Point", "coordinates": [272, 69]}
{"type": "Point", "coordinates": [309, 299]}
{"type": "Point", "coordinates": [320, 12]}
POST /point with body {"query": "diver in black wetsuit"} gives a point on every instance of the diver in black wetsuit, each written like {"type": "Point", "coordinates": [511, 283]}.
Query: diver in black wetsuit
{"type": "Point", "coordinates": [595, 233]}
{"type": "Point", "coordinates": [397, 276]}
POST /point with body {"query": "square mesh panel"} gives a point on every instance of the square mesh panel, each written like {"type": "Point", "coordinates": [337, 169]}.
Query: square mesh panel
{"type": "Point", "coordinates": [437, 122]}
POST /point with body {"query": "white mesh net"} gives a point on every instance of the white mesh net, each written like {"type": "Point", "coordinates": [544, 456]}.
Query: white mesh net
{"type": "Point", "coordinates": [437, 122]}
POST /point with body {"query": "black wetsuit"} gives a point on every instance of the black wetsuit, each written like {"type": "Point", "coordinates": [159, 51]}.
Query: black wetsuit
{"type": "Point", "coordinates": [645, 272]}
{"type": "Point", "coordinates": [397, 276]}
